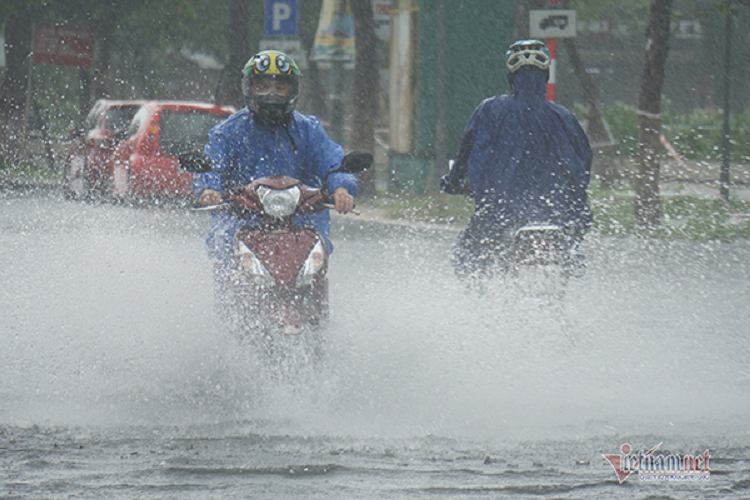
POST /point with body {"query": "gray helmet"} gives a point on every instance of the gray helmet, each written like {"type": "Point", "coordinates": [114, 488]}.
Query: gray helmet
{"type": "Point", "coordinates": [523, 53]}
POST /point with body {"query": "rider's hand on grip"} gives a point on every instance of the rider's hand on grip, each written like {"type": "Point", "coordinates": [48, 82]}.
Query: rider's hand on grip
{"type": "Point", "coordinates": [450, 185]}
{"type": "Point", "coordinates": [343, 201]}
{"type": "Point", "coordinates": [210, 197]}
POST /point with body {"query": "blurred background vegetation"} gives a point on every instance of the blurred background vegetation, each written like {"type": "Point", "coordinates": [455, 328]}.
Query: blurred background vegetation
{"type": "Point", "coordinates": [695, 134]}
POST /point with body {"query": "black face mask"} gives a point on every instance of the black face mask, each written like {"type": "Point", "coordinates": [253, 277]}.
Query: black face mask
{"type": "Point", "coordinates": [272, 115]}
{"type": "Point", "coordinates": [272, 110]}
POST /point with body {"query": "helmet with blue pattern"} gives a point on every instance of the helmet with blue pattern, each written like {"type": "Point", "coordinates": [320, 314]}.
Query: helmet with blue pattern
{"type": "Point", "coordinates": [270, 84]}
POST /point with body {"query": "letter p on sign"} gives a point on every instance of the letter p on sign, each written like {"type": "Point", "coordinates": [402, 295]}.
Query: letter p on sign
{"type": "Point", "coordinates": [282, 17]}
{"type": "Point", "coordinates": [281, 12]}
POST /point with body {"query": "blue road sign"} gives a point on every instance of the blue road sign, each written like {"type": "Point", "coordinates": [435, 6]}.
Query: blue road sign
{"type": "Point", "coordinates": [282, 17]}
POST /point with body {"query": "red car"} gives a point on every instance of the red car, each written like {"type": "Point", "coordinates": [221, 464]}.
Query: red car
{"type": "Point", "coordinates": [145, 163]}
{"type": "Point", "coordinates": [88, 163]}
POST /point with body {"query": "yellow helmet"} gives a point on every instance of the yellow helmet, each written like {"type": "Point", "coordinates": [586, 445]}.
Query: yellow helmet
{"type": "Point", "coordinates": [272, 64]}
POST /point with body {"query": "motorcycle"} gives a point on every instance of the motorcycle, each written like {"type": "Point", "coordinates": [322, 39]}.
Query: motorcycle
{"type": "Point", "coordinates": [537, 257]}
{"type": "Point", "coordinates": [540, 258]}
{"type": "Point", "coordinates": [278, 286]}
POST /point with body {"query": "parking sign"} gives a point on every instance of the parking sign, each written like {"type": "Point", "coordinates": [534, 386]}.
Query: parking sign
{"type": "Point", "coordinates": [282, 17]}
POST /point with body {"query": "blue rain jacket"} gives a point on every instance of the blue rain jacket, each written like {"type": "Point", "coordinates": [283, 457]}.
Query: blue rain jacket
{"type": "Point", "coordinates": [247, 151]}
{"type": "Point", "coordinates": [527, 158]}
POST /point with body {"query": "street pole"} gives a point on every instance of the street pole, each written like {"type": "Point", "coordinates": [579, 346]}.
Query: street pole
{"type": "Point", "coordinates": [440, 132]}
{"type": "Point", "coordinates": [84, 98]}
{"type": "Point", "coordinates": [28, 98]}
{"type": "Point", "coordinates": [726, 134]}
{"type": "Point", "coordinates": [552, 83]}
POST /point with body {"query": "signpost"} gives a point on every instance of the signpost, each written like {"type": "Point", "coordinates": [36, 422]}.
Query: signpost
{"type": "Point", "coordinates": [335, 37]}
{"type": "Point", "coordinates": [381, 13]}
{"type": "Point", "coordinates": [60, 45]}
{"type": "Point", "coordinates": [335, 43]}
{"type": "Point", "coordinates": [282, 17]}
{"type": "Point", "coordinates": [282, 25]}
{"type": "Point", "coordinates": [63, 45]}
{"type": "Point", "coordinates": [551, 25]}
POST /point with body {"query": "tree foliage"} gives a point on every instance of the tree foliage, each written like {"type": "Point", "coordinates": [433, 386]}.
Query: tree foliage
{"type": "Point", "coordinates": [139, 45]}
{"type": "Point", "coordinates": [136, 42]}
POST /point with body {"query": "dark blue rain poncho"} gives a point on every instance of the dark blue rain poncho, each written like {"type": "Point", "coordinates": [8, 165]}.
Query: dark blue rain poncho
{"type": "Point", "coordinates": [528, 159]}
{"type": "Point", "coordinates": [247, 151]}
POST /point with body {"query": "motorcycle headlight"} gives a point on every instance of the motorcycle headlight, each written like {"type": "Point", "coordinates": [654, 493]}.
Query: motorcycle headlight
{"type": "Point", "coordinates": [314, 263]}
{"type": "Point", "coordinates": [250, 264]}
{"type": "Point", "coordinates": [279, 202]}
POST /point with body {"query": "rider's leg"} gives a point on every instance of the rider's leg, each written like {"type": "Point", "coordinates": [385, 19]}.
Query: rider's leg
{"type": "Point", "coordinates": [220, 247]}
{"type": "Point", "coordinates": [576, 265]}
{"type": "Point", "coordinates": [473, 252]}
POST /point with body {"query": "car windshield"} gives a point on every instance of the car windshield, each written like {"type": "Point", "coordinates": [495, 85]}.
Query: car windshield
{"type": "Point", "coordinates": [185, 131]}
{"type": "Point", "coordinates": [117, 119]}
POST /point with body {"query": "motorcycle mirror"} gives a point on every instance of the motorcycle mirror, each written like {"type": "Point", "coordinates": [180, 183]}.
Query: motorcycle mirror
{"type": "Point", "coordinates": [195, 162]}
{"type": "Point", "coordinates": [355, 161]}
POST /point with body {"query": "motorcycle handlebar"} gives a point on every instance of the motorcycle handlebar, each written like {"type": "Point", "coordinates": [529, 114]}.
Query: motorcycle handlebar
{"type": "Point", "coordinates": [454, 182]}
{"type": "Point", "coordinates": [228, 204]}
{"type": "Point", "coordinates": [331, 206]}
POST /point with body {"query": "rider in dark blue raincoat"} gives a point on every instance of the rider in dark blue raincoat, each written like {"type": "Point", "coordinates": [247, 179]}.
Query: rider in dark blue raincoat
{"type": "Point", "coordinates": [269, 137]}
{"type": "Point", "coordinates": [527, 159]}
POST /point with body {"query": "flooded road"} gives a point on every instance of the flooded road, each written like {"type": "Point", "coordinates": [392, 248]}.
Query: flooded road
{"type": "Point", "coordinates": [118, 381]}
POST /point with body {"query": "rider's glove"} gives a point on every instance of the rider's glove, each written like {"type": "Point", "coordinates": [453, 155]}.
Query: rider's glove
{"type": "Point", "coordinates": [449, 185]}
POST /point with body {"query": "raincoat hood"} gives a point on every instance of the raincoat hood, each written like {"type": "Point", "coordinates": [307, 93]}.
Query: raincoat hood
{"type": "Point", "coordinates": [527, 158]}
{"type": "Point", "coordinates": [529, 83]}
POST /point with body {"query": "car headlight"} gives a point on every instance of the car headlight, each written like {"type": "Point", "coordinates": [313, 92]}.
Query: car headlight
{"type": "Point", "coordinates": [279, 202]}
{"type": "Point", "coordinates": [314, 263]}
{"type": "Point", "coordinates": [251, 265]}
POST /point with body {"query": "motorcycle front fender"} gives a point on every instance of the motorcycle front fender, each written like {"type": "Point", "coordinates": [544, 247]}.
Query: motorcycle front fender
{"type": "Point", "coordinates": [281, 250]}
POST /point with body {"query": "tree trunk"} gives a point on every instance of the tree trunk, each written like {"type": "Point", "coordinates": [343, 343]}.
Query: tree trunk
{"type": "Point", "coordinates": [18, 42]}
{"type": "Point", "coordinates": [647, 204]}
{"type": "Point", "coordinates": [602, 167]}
{"type": "Point", "coordinates": [316, 103]}
{"type": "Point", "coordinates": [103, 32]}
{"type": "Point", "coordinates": [366, 79]}
{"type": "Point", "coordinates": [229, 88]}
{"type": "Point", "coordinates": [84, 98]}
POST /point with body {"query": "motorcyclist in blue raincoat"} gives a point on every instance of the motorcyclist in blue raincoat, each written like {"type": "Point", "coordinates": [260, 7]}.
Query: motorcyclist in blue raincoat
{"type": "Point", "coordinates": [269, 137]}
{"type": "Point", "coordinates": [527, 159]}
